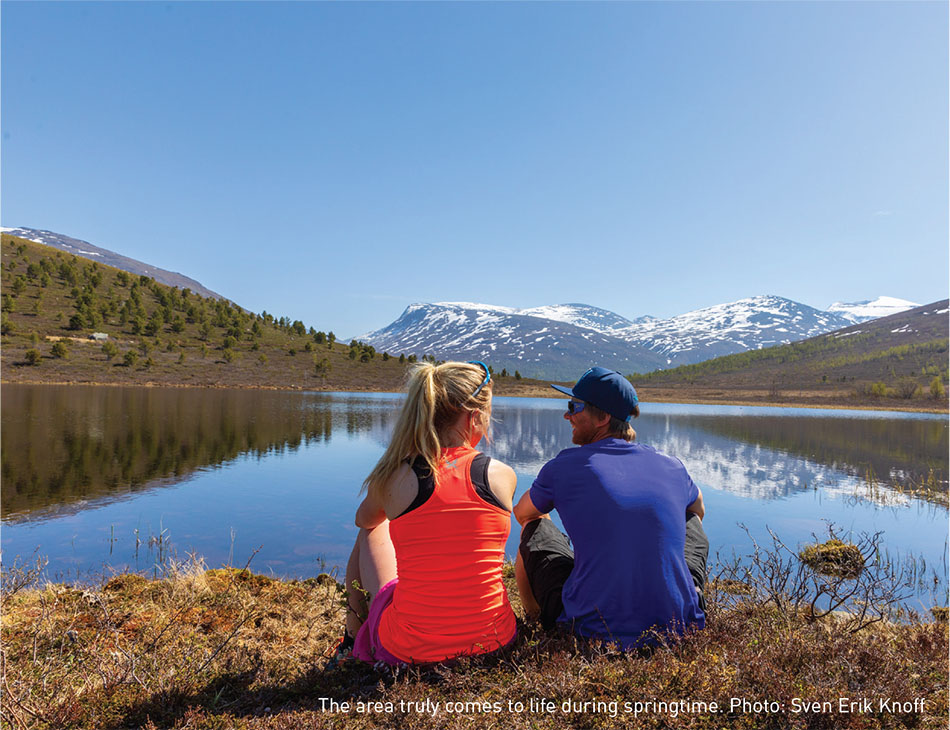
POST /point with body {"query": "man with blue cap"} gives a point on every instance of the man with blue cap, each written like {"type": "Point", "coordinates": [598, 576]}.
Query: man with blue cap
{"type": "Point", "coordinates": [634, 517]}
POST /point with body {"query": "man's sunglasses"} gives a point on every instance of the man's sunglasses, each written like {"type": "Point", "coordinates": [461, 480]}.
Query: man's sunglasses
{"type": "Point", "coordinates": [487, 379]}
{"type": "Point", "coordinates": [575, 406]}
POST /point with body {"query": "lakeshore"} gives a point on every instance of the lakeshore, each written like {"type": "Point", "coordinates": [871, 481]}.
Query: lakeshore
{"type": "Point", "coordinates": [525, 388]}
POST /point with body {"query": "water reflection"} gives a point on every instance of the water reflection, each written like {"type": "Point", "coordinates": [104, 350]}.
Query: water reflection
{"type": "Point", "coordinates": [67, 445]}
{"type": "Point", "coordinates": [92, 475]}
{"type": "Point", "coordinates": [759, 457]}
{"type": "Point", "coordinates": [65, 448]}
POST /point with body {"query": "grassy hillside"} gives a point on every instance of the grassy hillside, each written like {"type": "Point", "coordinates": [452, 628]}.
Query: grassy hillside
{"type": "Point", "coordinates": [897, 359]}
{"type": "Point", "coordinates": [53, 302]}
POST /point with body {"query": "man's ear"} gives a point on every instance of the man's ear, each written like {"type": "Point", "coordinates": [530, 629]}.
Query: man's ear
{"type": "Point", "coordinates": [602, 420]}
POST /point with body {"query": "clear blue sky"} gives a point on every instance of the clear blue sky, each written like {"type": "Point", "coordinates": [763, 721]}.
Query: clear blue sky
{"type": "Point", "coordinates": [336, 162]}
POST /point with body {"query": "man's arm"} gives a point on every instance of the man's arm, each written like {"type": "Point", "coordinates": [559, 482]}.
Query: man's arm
{"type": "Point", "coordinates": [525, 511]}
{"type": "Point", "coordinates": [697, 507]}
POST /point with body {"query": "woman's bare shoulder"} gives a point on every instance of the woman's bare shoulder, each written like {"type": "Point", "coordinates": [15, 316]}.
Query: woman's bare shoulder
{"type": "Point", "coordinates": [502, 480]}
{"type": "Point", "coordinates": [401, 491]}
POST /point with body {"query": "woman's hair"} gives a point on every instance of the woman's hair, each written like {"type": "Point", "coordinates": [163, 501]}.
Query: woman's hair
{"type": "Point", "coordinates": [618, 429]}
{"type": "Point", "coordinates": [436, 395]}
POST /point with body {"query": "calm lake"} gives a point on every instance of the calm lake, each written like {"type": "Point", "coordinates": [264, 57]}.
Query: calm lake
{"type": "Point", "coordinates": [100, 479]}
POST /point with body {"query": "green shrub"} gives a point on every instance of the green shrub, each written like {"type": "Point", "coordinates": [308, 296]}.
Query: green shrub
{"type": "Point", "coordinates": [937, 391]}
{"type": "Point", "coordinates": [60, 350]}
{"type": "Point", "coordinates": [33, 356]}
{"type": "Point", "coordinates": [130, 358]}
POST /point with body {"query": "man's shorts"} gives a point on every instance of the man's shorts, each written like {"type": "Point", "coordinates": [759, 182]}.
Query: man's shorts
{"type": "Point", "coordinates": [549, 560]}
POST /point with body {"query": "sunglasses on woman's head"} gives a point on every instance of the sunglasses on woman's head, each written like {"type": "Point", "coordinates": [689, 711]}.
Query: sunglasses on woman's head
{"type": "Point", "coordinates": [487, 376]}
{"type": "Point", "coordinates": [575, 406]}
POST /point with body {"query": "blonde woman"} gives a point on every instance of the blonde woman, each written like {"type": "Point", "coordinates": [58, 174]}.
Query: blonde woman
{"type": "Point", "coordinates": [440, 510]}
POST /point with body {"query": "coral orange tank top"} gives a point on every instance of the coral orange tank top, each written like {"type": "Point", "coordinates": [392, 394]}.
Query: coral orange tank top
{"type": "Point", "coordinates": [450, 600]}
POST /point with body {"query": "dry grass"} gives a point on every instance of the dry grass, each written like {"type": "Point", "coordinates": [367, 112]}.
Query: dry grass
{"type": "Point", "coordinates": [231, 649]}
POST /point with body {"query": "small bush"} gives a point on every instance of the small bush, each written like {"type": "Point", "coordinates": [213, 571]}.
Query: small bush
{"type": "Point", "coordinates": [908, 388]}
{"type": "Point", "coordinates": [833, 557]}
{"type": "Point", "coordinates": [33, 356]}
{"type": "Point", "coordinates": [937, 391]}
{"type": "Point", "coordinates": [60, 350]}
{"type": "Point", "coordinates": [130, 358]}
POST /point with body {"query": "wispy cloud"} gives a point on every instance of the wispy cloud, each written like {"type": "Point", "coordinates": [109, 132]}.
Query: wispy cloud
{"type": "Point", "coordinates": [882, 213]}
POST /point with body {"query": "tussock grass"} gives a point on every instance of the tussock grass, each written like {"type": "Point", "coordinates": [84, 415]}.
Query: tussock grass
{"type": "Point", "coordinates": [229, 648]}
{"type": "Point", "coordinates": [833, 557]}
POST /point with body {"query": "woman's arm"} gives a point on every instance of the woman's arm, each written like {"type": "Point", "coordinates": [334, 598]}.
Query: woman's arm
{"type": "Point", "coordinates": [370, 513]}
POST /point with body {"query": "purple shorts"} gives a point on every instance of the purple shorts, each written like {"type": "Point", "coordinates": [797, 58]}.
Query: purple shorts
{"type": "Point", "coordinates": [367, 646]}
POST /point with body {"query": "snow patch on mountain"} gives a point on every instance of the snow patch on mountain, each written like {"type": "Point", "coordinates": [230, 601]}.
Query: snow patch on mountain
{"type": "Point", "coordinates": [871, 309]}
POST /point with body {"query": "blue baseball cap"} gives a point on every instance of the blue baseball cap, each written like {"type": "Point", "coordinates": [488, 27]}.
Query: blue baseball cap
{"type": "Point", "coordinates": [607, 389]}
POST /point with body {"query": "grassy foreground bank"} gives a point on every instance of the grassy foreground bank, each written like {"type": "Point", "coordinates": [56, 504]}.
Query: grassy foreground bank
{"type": "Point", "coordinates": [231, 649]}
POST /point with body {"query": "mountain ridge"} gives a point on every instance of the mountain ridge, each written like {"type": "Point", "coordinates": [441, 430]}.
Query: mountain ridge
{"type": "Point", "coordinates": [86, 250]}
{"type": "Point", "coordinates": [554, 341]}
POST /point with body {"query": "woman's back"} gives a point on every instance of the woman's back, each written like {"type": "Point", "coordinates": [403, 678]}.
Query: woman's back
{"type": "Point", "coordinates": [450, 599]}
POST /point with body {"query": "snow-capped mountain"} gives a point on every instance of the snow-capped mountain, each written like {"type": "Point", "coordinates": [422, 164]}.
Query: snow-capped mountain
{"type": "Point", "coordinates": [871, 309]}
{"type": "Point", "coordinates": [110, 258]}
{"type": "Point", "coordinates": [510, 338]}
{"type": "Point", "coordinates": [560, 341]}
{"type": "Point", "coordinates": [747, 324]}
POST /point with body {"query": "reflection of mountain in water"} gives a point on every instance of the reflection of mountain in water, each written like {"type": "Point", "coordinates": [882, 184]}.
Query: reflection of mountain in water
{"type": "Point", "coordinates": [748, 470]}
{"type": "Point", "coordinates": [67, 445]}
{"type": "Point", "coordinates": [762, 457]}
{"type": "Point", "coordinates": [904, 452]}
{"type": "Point", "coordinates": [66, 448]}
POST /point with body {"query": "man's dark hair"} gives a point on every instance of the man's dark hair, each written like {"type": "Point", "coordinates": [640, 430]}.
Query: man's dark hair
{"type": "Point", "coordinates": [618, 428]}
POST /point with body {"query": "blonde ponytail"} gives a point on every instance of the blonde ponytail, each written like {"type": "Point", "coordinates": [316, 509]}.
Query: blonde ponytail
{"type": "Point", "coordinates": [436, 394]}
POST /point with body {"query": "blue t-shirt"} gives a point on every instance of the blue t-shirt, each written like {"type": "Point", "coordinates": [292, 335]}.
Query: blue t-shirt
{"type": "Point", "coordinates": [624, 507]}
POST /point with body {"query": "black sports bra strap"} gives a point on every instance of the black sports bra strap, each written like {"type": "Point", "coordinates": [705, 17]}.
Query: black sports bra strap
{"type": "Point", "coordinates": [480, 480]}
{"type": "Point", "coordinates": [479, 472]}
{"type": "Point", "coordinates": [426, 484]}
